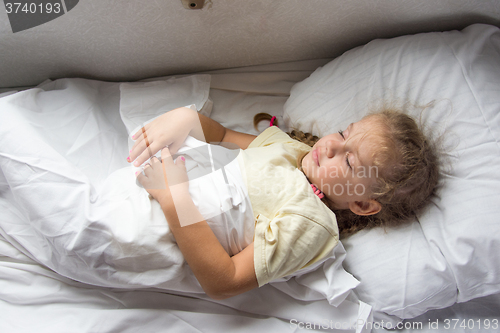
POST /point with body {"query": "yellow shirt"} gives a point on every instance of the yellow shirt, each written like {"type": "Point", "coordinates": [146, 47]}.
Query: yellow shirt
{"type": "Point", "coordinates": [293, 228]}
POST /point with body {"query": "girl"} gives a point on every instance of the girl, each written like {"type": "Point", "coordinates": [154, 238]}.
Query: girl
{"type": "Point", "coordinates": [378, 170]}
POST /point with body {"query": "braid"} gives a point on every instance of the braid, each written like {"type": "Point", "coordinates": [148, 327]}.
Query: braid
{"type": "Point", "coordinates": [306, 138]}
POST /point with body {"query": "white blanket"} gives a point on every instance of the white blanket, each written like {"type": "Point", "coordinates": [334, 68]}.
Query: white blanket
{"type": "Point", "coordinates": [115, 235]}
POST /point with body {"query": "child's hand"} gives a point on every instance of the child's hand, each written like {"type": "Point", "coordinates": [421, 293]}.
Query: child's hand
{"type": "Point", "coordinates": [166, 178]}
{"type": "Point", "coordinates": [170, 129]}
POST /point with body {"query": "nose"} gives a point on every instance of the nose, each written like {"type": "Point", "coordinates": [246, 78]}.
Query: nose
{"type": "Point", "coordinates": [332, 148]}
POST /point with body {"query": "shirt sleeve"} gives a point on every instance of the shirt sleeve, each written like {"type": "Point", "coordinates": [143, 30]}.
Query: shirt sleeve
{"type": "Point", "coordinates": [269, 136]}
{"type": "Point", "coordinates": [287, 243]}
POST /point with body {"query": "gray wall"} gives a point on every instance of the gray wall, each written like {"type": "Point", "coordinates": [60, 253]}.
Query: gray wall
{"type": "Point", "coordinates": [133, 39]}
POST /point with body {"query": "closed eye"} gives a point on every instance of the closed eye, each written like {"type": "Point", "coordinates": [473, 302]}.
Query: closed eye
{"type": "Point", "coordinates": [347, 155]}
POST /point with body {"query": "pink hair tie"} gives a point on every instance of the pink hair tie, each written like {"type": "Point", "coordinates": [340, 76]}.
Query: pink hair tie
{"type": "Point", "coordinates": [317, 191]}
{"type": "Point", "coordinates": [272, 121]}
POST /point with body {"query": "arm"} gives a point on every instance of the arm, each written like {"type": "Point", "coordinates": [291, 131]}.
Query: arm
{"type": "Point", "coordinates": [172, 128]}
{"type": "Point", "coordinates": [220, 276]}
{"type": "Point", "coordinates": [216, 133]}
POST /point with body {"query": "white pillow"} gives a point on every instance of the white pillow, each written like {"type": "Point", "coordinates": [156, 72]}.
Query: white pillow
{"type": "Point", "coordinates": [142, 101]}
{"type": "Point", "coordinates": [453, 254]}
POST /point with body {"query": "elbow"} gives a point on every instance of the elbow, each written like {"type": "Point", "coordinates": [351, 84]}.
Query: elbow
{"type": "Point", "coordinates": [218, 294]}
{"type": "Point", "coordinates": [221, 291]}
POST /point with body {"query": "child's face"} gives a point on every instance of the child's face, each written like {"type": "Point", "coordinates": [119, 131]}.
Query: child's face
{"type": "Point", "coordinates": [341, 164]}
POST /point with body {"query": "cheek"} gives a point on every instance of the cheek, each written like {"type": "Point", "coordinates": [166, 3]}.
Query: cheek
{"type": "Point", "coordinates": [364, 187]}
{"type": "Point", "coordinates": [306, 161]}
{"type": "Point", "coordinates": [325, 173]}
{"type": "Point", "coordinates": [306, 165]}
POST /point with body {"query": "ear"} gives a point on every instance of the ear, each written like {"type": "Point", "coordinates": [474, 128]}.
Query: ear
{"type": "Point", "coordinates": [365, 208]}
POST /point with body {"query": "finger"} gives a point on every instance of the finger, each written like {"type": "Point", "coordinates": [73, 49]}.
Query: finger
{"type": "Point", "coordinates": [166, 156]}
{"type": "Point", "coordinates": [142, 143]}
{"type": "Point", "coordinates": [139, 137]}
{"type": "Point", "coordinates": [147, 153]}
{"type": "Point", "coordinates": [136, 149]}
{"type": "Point", "coordinates": [149, 172]}
{"type": "Point", "coordinates": [137, 143]}
{"type": "Point", "coordinates": [144, 139]}
{"type": "Point", "coordinates": [155, 161]}
{"type": "Point", "coordinates": [140, 177]}
{"type": "Point", "coordinates": [140, 131]}
{"type": "Point", "coordinates": [175, 146]}
{"type": "Point", "coordinates": [180, 161]}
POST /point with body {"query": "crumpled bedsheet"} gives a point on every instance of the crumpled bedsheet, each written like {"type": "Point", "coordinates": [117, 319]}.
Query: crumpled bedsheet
{"type": "Point", "coordinates": [114, 235]}
{"type": "Point", "coordinates": [69, 200]}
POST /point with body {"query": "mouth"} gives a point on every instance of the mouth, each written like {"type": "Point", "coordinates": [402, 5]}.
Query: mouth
{"type": "Point", "coordinates": [315, 156]}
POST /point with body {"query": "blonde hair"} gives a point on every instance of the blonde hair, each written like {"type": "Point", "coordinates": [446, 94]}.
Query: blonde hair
{"type": "Point", "coordinates": [408, 177]}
